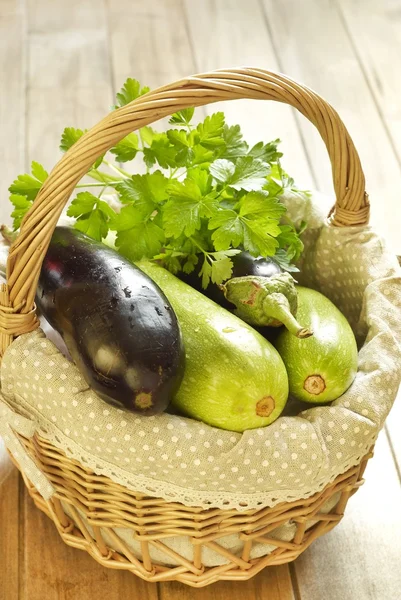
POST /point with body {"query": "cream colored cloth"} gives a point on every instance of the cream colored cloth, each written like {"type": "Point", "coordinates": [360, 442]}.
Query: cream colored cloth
{"type": "Point", "coordinates": [183, 460]}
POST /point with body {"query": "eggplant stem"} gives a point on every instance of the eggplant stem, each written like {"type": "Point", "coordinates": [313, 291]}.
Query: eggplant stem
{"type": "Point", "coordinates": [276, 306]}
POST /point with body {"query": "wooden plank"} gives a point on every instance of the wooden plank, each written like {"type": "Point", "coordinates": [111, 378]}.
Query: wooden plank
{"type": "Point", "coordinates": [272, 583]}
{"type": "Point", "coordinates": [12, 98]}
{"type": "Point", "coordinates": [149, 42]}
{"type": "Point", "coordinates": [57, 15]}
{"type": "Point", "coordinates": [12, 128]}
{"type": "Point", "coordinates": [10, 538]}
{"type": "Point", "coordinates": [361, 557]}
{"type": "Point", "coordinates": [236, 36]}
{"type": "Point", "coordinates": [374, 27]}
{"type": "Point", "coordinates": [55, 571]}
{"type": "Point", "coordinates": [322, 57]}
{"type": "Point", "coordinates": [69, 84]}
{"type": "Point", "coordinates": [69, 79]}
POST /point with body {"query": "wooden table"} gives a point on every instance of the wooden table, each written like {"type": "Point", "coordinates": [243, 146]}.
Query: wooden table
{"type": "Point", "coordinates": [61, 62]}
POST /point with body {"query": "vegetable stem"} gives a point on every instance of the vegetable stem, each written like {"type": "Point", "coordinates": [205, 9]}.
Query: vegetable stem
{"type": "Point", "coordinates": [276, 306]}
{"type": "Point", "coordinates": [117, 169]}
{"type": "Point", "coordinates": [85, 185]}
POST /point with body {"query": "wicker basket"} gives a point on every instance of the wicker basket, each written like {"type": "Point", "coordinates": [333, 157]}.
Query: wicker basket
{"type": "Point", "coordinates": [86, 507]}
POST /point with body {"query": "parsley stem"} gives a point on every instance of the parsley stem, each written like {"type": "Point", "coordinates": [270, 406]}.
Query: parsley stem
{"type": "Point", "coordinates": [173, 171]}
{"type": "Point", "coordinates": [117, 169]}
{"type": "Point", "coordinates": [195, 243]}
{"type": "Point", "coordinates": [102, 191]}
{"type": "Point", "coordinates": [84, 185]}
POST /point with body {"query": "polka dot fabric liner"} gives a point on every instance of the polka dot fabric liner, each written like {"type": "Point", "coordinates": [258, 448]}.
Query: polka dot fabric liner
{"type": "Point", "coordinates": [180, 459]}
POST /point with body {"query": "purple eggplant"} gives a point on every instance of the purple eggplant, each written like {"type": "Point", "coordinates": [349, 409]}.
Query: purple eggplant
{"type": "Point", "coordinates": [117, 324]}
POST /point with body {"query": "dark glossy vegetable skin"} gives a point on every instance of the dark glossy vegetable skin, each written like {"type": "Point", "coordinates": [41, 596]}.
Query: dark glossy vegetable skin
{"type": "Point", "coordinates": [118, 325]}
{"type": "Point", "coordinates": [244, 264]}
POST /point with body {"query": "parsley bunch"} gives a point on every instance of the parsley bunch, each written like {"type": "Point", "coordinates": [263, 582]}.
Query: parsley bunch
{"type": "Point", "coordinates": [205, 196]}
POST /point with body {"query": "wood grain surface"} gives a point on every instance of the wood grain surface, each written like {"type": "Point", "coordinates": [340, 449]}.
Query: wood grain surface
{"type": "Point", "coordinates": [61, 62]}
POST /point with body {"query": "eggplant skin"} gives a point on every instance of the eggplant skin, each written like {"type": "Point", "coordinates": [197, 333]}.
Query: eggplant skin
{"type": "Point", "coordinates": [119, 327]}
{"type": "Point", "coordinates": [244, 264]}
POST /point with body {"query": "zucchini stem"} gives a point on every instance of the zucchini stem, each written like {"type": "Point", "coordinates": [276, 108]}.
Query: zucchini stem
{"type": "Point", "coordinates": [266, 301]}
{"type": "Point", "coordinates": [276, 306]}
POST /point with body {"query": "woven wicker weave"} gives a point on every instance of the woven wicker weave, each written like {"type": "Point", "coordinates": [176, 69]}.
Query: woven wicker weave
{"type": "Point", "coordinates": [96, 504]}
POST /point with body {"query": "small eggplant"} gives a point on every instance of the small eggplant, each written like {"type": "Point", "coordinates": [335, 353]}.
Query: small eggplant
{"type": "Point", "coordinates": [244, 264]}
{"type": "Point", "coordinates": [266, 301]}
{"type": "Point", "coordinates": [117, 324]}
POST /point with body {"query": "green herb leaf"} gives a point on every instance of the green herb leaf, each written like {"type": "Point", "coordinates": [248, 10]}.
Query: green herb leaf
{"type": "Point", "coordinates": [257, 240]}
{"type": "Point", "coordinates": [69, 137]}
{"type": "Point", "coordinates": [211, 131]}
{"type": "Point", "coordinates": [235, 145]}
{"type": "Point", "coordinates": [21, 206]}
{"type": "Point", "coordinates": [127, 149]}
{"type": "Point", "coordinates": [29, 185]}
{"type": "Point", "coordinates": [205, 273]}
{"type": "Point", "coordinates": [178, 137]}
{"type": "Point", "coordinates": [247, 173]}
{"type": "Point", "coordinates": [283, 261]}
{"type": "Point", "coordinates": [161, 151]}
{"type": "Point", "coordinates": [94, 216]}
{"type": "Point", "coordinates": [143, 240]}
{"type": "Point", "coordinates": [250, 174]}
{"type": "Point", "coordinates": [94, 225]}
{"type": "Point", "coordinates": [228, 229]}
{"type": "Point", "coordinates": [182, 117]}
{"type": "Point", "coordinates": [82, 204]}
{"type": "Point", "coordinates": [266, 152]}
{"type": "Point", "coordinates": [183, 143]}
{"type": "Point", "coordinates": [202, 156]}
{"type": "Point", "coordinates": [147, 134]}
{"type": "Point", "coordinates": [183, 212]}
{"type": "Point", "coordinates": [222, 170]}
{"type": "Point", "coordinates": [289, 240]}
{"type": "Point", "coordinates": [190, 264]}
{"type": "Point", "coordinates": [262, 205]}
{"type": "Point", "coordinates": [130, 91]}
{"type": "Point", "coordinates": [144, 191]}
{"type": "Point", "coordinates": [202, 178]}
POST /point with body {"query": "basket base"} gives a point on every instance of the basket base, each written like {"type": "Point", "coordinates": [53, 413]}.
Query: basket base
{"type": "Point", "coordinates": [81, 527]}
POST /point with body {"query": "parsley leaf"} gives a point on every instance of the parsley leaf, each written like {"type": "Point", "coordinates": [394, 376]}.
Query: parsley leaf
{"type": "Point", "coordinates": [211, 131]}
{"type": "Point", "coordinates": [21, 206]}
{"type": "Point", "coordinates": [250, 174]}
{"type": "Point", "coordinates": [222, 170]}
{"type": "Point", "coordinates": [257, 239]}
{"type": "Point", "coordinates": [266, 152]}
{"type": "Point", "coordinates": [127, 149]}
{"type": "Point", "coordinates": [182, 117]}
{"type": "Point", "coordinates": [235, 145]}
{"type": "Point", "coordinates": [130, 91]}
{"type": "Point", "coordinates": [183, 212]}
{"type": "Point", "coordinates": [82, 204]}
{"type": "Point", "coordinates": [94, 216]}
{"type": "Point", "coordinates": [150, 188]}
{"type": "Point", "coordinates": [69, 137]}
{"type": "Point", "coordinates": [262, 205]}
{"type": "Point", "coordinates": [222, 266]}
{"type": "Point", "coordinates": [160, 151]}
{"type": "Point", "coordinates": [29, 185]}
{"type": "Point", "coordinates": [144, 239]}
{"type": "Point", "coordinates": [247, 173]}
{"type": "Point", "coordinates": [228, 229]}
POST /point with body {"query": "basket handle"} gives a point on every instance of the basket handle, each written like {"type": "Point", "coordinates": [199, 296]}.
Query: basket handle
{"type": "Point", "coordinates": [28, 250]}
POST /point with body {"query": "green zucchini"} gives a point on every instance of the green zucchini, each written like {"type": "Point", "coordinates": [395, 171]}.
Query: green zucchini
{"type": "Point", "coordinates": [234, 378]}
{"type": "Point", "coordinates": [322, 367]}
